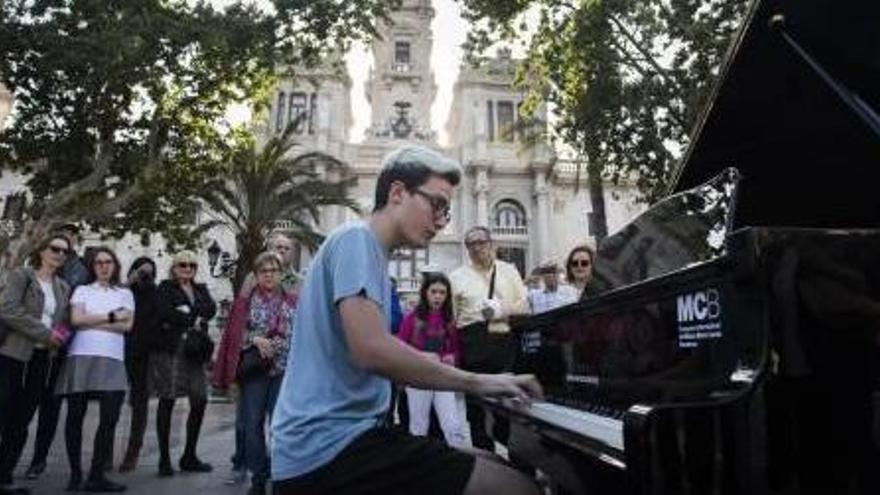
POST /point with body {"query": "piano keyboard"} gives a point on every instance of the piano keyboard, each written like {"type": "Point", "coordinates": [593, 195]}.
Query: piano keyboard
{"type": "Point", "coordinates": [595, 426]}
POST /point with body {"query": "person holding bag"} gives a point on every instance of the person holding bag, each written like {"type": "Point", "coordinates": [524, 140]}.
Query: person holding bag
{"type": "Point", "coordinates": [33, 315]}
{"type": "Point", "coordinates": [487, 293]}
{"type": "Point", "coordinates": [179, 366]}
{"type": "Point", "coordinates": [253, 353]}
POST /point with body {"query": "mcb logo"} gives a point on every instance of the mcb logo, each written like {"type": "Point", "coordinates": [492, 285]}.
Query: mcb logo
{"type": "Point", "coordinates": [699, 306]}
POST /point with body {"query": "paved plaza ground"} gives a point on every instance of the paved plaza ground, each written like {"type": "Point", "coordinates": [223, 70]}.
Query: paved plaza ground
{"type": "Point", "coordinates": [216, 446]}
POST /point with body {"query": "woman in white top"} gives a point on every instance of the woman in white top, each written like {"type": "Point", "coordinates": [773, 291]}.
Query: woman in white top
{"type": "Point", "coordinates": [102, 312]}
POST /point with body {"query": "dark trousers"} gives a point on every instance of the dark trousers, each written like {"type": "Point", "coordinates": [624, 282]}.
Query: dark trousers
{"type": "Point", "coordinates": [21, 386]}
{"type": "Point", "coordinates": [258, 397]}
{"type": "Point", "coordinates": [138, 369]}
{"type": "Point", "coordinates": [49, 410]}
{"type": "Point", "coordinates": [197, 406]}
{"type": "Point", "coordinates": [77, 405]}
{"type": "Point", "coordinates": [485, 352]}
{"type": "Point", "coordinates": [237, 459]}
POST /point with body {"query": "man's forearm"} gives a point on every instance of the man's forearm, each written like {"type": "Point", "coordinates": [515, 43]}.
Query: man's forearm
{"type": "Point", "coordinates": [400, 362]}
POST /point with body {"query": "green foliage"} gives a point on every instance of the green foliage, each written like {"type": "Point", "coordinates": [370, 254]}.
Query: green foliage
{"type": "Point", "coordinates": [120, 113]}
{"type": "Point", "coordinates": [262, 185]}
{"type": "Point", "coordinates": [626, 79]}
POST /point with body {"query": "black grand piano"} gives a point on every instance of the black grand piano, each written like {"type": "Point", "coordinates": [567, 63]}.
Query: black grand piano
{"type": "Point", "coordinates": [730, 342]}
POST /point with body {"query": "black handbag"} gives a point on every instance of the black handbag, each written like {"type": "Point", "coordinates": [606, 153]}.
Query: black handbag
{"type": "Point", "coordinates": [251, 365]}
{"type": "Point", "coordinates": [197, 346]}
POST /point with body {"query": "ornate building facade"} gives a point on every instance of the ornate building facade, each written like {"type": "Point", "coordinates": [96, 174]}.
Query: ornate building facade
{"type": "Point", "coordinates": [527, 197]}
{"type": "Point", "coordinates": [521, 192]}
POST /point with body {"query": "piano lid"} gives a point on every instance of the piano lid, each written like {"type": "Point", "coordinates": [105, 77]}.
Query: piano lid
{"type": "Point", "coordinates": [807, 158]}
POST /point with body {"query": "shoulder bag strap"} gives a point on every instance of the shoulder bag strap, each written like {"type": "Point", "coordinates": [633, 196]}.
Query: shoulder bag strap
{"type": "Point", "coordinates": [492, 282]}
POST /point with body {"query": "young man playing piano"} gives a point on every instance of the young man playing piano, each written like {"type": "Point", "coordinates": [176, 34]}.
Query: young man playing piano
{"type": "Point", "coordinates": [329, 435]}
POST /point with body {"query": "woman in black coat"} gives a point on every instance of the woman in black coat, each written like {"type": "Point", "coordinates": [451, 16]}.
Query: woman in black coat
{"type": "Point", "coordinates": [139, 343]}
{"type": "Point", "coordinates": [184, 309]}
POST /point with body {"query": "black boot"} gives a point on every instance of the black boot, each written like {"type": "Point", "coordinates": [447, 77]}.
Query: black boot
{"type": "Point", "coordinates": [74, 484]}
{"type": "Point", "coordinates": [35, 470]}
{"type": "Point", "coordinates": [189, 461]}
{"type": "Point", "coordinates": [194, 465]}
{"type": "Point", "coordinates": [100, 484]}
{"type": "Point", "coordinates": [257, 488]}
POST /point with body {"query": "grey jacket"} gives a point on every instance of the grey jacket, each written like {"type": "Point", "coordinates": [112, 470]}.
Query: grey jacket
{"type": "Point", "coordinates": [21, 304]}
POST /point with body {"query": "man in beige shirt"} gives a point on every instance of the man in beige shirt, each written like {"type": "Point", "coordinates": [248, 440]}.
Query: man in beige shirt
{"type": "Point", "coordinates": [486, 293]}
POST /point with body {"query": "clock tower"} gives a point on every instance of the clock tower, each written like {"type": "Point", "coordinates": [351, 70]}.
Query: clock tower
{"type": "Point", "coordinates": [401, 85]}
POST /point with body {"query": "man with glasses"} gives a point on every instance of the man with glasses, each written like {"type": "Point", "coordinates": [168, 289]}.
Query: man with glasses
{"type": "Point", "coordinates": [550, 294]}
{"type": "Point", "coordinates": [486, 293]}
{"type": "Point", "coordinates": [284, 247]}
{"type": "Point", "coordinates": [329, 433]}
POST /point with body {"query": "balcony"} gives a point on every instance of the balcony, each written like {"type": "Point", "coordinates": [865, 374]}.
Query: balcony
{"type": "Point", "coordinates": [519, 230]}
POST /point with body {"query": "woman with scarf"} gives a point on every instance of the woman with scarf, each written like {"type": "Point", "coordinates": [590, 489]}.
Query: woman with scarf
{"type": "Point", "coordinates": [253, 353]}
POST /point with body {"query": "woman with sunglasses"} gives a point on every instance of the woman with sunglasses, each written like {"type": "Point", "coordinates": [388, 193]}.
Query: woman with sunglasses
{"type": "Point", "coordinates": [579, 268]}
{"type": "Point", "coordinates": [184, 306]}
{"type": "Point", "coordinates": [33, 313]}
{"type": "Point", "coordinates": [103, 312]}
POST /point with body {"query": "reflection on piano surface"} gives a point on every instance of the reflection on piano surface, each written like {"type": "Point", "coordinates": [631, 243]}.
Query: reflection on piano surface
{"type": "Point", "coordinates": [731, 343]}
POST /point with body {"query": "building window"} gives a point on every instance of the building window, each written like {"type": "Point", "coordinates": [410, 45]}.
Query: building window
{"type": "Point", "coordinates": [13, 208]}
{"type": "Point", "coordinates": [401, 56]}
{"type": "Point", "coordinates": [514, 255]}
{"type": "Point", "coordinates": [501, 120]}
{"type": "Point", "coordinates": [509, 218]}
{"type": "Point", "coordinates": [490, 120]}
{"type": "Point", "coordinates": [297, 111]}
{"type": "Point", "coordinates": [505, 121]}
{"type": "Point", "coordinates": [279, 116]}
{"type": "Point", "coordinates": [406, 267]}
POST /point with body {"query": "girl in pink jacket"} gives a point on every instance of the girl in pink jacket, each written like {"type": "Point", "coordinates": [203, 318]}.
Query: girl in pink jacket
{"type": "Point", "coordinates": [430, 328]}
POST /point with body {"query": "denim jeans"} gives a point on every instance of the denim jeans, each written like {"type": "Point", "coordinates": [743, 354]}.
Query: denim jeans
{"type": "Point", "coordinates": [258, 400]}
{"type": "Point", "coordinates": [237, 458]}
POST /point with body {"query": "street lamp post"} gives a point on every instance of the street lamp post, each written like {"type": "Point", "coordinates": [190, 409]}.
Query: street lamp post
{"type": "Point", "coordinates": [220, 262]}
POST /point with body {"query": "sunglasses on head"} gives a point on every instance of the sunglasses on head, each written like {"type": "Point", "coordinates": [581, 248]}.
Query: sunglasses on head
{"type": "Point", "coordinates": [59, 249]}
{"type": "Point", "coordinates": [185, 264]}
{"type": "Point", "coordinates": [580, 263]}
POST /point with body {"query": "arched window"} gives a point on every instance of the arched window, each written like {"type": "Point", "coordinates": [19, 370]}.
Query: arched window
{"type": "Point", "coordinates": [509, 218]}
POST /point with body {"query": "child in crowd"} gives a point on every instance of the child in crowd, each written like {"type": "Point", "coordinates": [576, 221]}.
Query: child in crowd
{"type": "Point", "coordinates": [430, 328]}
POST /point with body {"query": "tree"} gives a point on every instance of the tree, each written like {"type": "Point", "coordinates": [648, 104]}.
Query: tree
{"type": "Point", "coordinates": [625, 79]}
{"type": "Point", "coordinates": [120, 112]}
{"type": "Point", "coordinates": [261, 186]}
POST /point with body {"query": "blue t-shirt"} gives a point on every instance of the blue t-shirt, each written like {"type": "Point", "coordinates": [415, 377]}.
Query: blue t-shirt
{"type": "Point", "coordinates": [326, 400]}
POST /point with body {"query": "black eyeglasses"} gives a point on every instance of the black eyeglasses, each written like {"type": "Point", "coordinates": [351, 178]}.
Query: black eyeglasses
{"type": "Point", "coordinates": [187, 265]}
{"type": "Point", "coordinates": [580, 263]}
{"type": "Point", "coordinates": [439, 205]}
{"type": "Point", "coordinates": [59, 250]}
